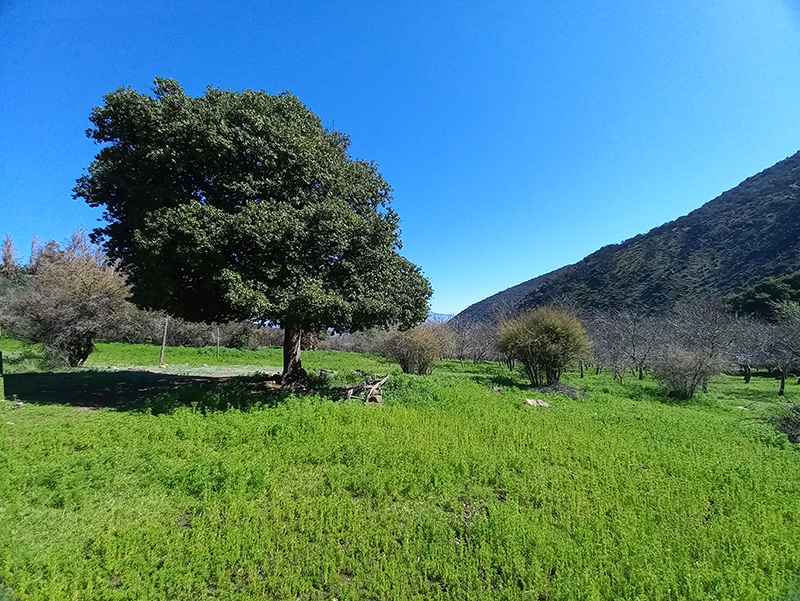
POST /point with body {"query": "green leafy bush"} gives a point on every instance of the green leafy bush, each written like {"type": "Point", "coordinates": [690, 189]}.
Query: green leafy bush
{"type": "Point", "coordinates": [545, 342]}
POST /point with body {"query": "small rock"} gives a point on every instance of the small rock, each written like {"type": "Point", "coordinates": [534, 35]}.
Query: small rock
{"type": "Point", "coordinates": [742, 408]}
{"type": "Point", "coordinates": [498, 389]}
{"type": "Point", "coordinates": [537, 403]}
{"type": "Point", "coordinates": [18, 405]}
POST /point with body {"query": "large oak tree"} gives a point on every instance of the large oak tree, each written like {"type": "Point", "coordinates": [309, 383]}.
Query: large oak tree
{"type": "Point", "coordinates": [242, 205]}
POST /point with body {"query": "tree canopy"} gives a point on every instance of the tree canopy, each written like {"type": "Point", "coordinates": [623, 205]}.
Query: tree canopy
{"type": "Point", "coordinates": [241, 205]}
{"type": "Point", "coordinates": [760, 300]}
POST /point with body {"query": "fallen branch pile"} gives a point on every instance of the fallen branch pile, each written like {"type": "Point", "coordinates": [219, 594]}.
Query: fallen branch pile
{"type": "Point", "coordinates": [369, 391]}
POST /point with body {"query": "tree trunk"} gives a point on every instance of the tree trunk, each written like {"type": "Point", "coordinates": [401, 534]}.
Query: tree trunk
{"type": "Point", "coordinates": [783, 382]}
{"type": "Point", "coordinates": [581, 364]}
{"type": "Point", "coordinates": [747, 373]}
{"type": "Point", "coordinates": [705, 384]}
{"type": "Point", "coordinates": [641, 373]}
{"type": "Point", "coordinates": [293, 372]}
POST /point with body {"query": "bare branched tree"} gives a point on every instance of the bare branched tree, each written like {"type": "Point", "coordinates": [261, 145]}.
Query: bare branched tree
{"type": "Point", "coordinates": [9, 256]}
{"type": "Point", "coordinates": [624, 340]}
{"type": "Point", "coordinates": [696, 343]}
{"type": "Point", "coordinates": [74, 291]}
{"type": "Point", "coordinates": [784, 346]}
{"type": "Point", "coordinates": [751, 343]}
{"type": "Point", "coordinates": [445, 335]}
{"type": "Point", "coordinates": [461, 340]}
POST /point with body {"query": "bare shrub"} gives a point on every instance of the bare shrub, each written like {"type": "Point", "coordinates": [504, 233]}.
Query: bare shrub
{"type": "Point", "coordinates": [416, 350]}
{"type": "Point", "coordinates": [315, 341]}
{"type": "Point", "coordinates": [73, 293]}
{"type": "Point", "coordinates": [357, 342]}
{"type": "Point", "coordinates": [696, 344]}
{"type": "Point", "coordinates": [682, 371]}
{"type": "Point", "coordinates": [787, 421]}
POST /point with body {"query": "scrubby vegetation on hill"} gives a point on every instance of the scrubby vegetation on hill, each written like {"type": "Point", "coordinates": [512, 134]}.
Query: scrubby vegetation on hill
{"type": "Point", "coordinates": [725, 246]}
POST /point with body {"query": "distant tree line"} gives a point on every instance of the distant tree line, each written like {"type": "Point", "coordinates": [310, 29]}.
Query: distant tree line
{"type": "Point", "coordinates": [68, 296]}
{"type": "Point", "coordinates": [681, 348]}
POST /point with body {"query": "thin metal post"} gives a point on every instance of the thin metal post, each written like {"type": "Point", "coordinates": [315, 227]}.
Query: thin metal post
{"type": "Point", "coordinates": [164, 340]}
{"type": "Point", "coordinates": [2, 383]}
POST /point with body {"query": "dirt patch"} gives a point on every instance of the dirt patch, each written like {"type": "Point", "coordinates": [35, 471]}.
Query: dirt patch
{"type": "Point", "coordinates": [205, 371]}
{"type": "Point", "coordinates": [572, 392]}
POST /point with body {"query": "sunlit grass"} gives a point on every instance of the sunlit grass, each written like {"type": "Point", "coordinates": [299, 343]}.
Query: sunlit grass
{"type": "Point", "coordinates": [20, 357]}
{"type": "Point", "coordinates": [449, 491]}
{"type": "Point", "coordinates": [115, 353]}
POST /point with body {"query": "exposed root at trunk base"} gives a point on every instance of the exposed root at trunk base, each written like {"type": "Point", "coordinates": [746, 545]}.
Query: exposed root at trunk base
{"type": "Point", "coordinates": [297, 380]}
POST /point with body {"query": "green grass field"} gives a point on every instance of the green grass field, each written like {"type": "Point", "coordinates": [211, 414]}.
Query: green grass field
{"type": "Point", "coordinates": [139, 485]}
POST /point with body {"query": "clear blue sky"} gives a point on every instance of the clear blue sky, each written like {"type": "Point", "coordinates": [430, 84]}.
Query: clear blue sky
{"type": "Point", "coordinates": [518, 136]}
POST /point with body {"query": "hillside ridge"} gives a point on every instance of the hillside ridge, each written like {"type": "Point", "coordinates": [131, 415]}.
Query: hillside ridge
{"type": "Point", "coordinates": [728, 244]}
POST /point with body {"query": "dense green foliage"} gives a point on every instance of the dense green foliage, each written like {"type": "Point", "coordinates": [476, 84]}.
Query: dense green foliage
{"type": "Point", "coordinates": [242, 205]}
{"type": "Point", "coordinates": [545, 342]}
{"type": "Point", "coordinates": [760, 300]}
{"type": "Point", "coordinates": [725, 246]}
{"type": "Point", "coordinates": [450, 491]}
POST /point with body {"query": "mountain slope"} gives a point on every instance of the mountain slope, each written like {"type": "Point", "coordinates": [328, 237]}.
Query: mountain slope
{"type": "Point", "coordinates": [730, 243]}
